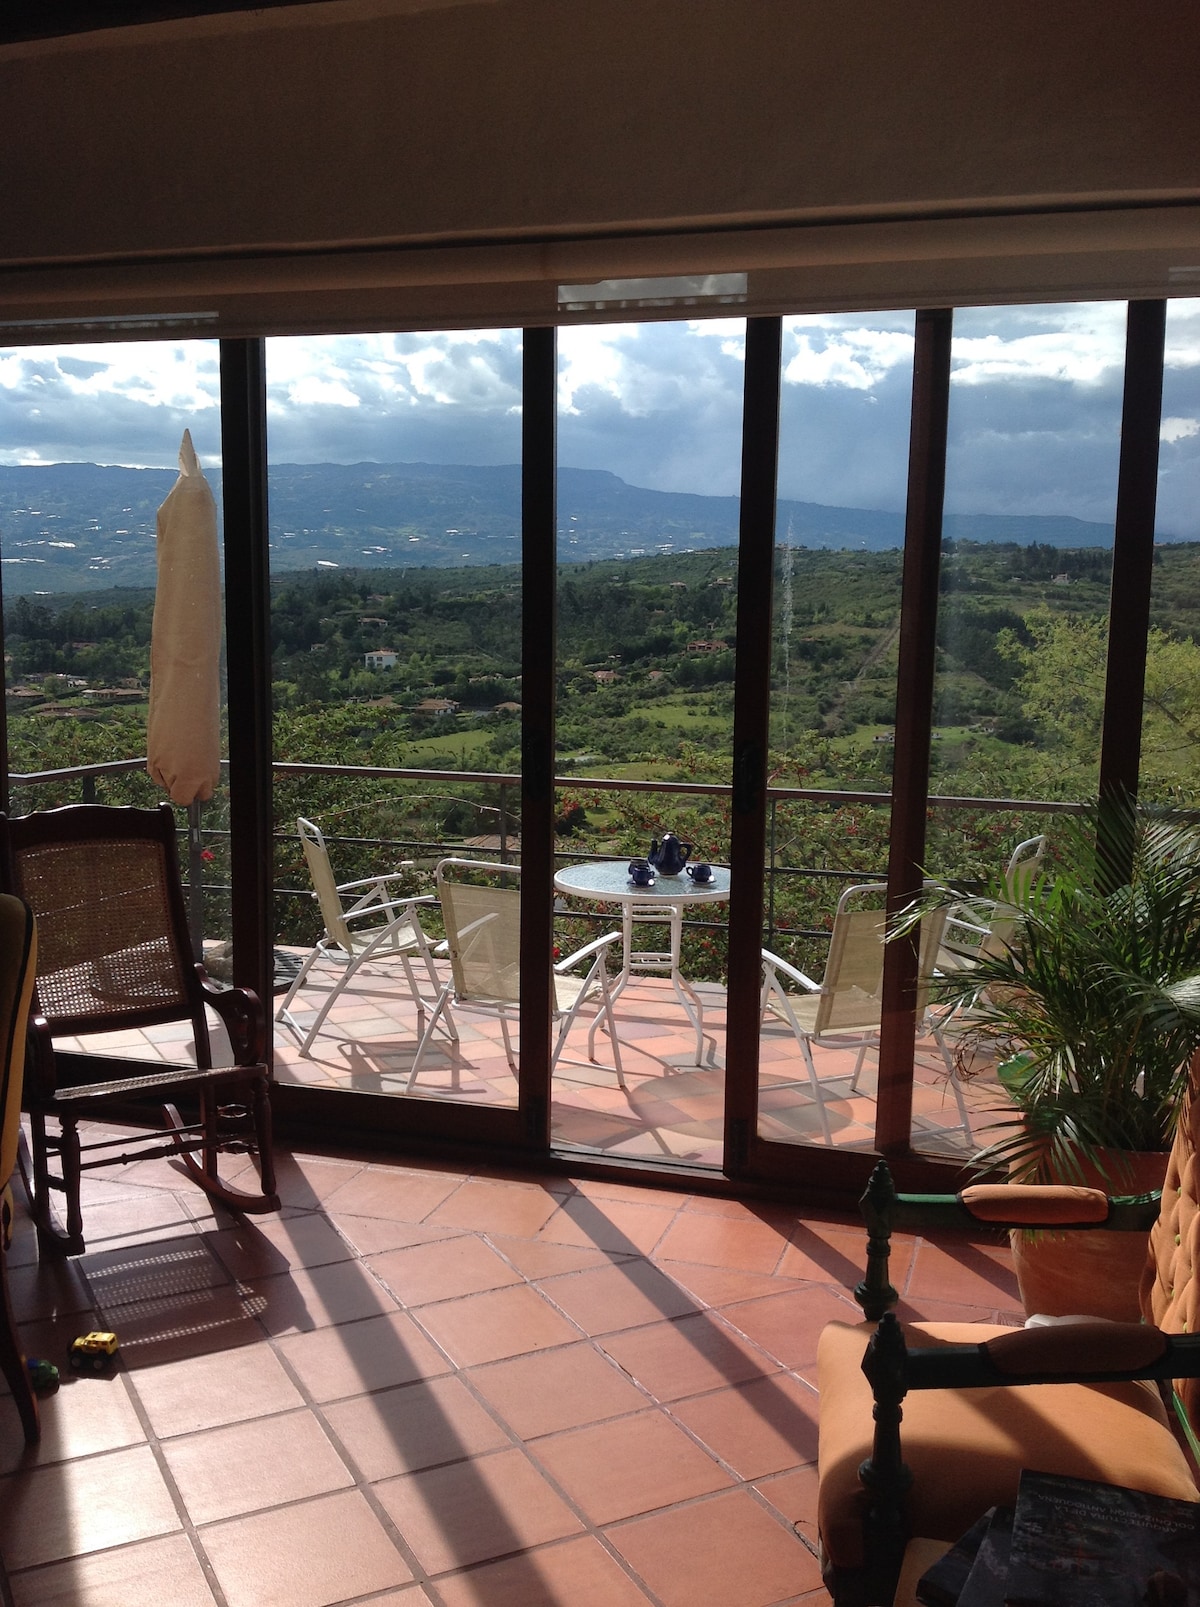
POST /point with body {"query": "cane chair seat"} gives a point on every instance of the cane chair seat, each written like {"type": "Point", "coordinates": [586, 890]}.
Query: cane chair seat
{"type": "Point", "coordinates": [115, 955]}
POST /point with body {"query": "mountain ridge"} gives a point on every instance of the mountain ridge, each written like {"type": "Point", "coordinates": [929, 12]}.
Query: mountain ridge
{"type": "Point", "coordinates": [82, 526]}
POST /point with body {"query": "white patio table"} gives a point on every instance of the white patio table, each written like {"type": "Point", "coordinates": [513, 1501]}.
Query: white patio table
{"type": "Point", "coordinates": [607, 882]}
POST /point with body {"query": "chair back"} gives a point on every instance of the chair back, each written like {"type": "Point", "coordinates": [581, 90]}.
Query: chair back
{"type": "Point", "coordinates": [1023, 866]}
{"type": "Point", "coordinates": [852, 988]}
{"type": "Point", "coordinates": [18, 962]}
{"type": "Point", "coordinates": [481, 908]}
{"type": "Point", "coordinates": [312, 841]}
{"type": "Point", "coordinates": [113, 944]}
{"type": "Point", "coordinates": [1170, 1289]}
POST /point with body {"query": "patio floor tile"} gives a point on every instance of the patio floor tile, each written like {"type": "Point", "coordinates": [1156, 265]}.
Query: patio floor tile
{"type": "Point", "coordinates": [354, 1358]}
{"type": "Point", "coordinates": [417, 1426]}
{"type": "Point", "coordinates": [556, 1389]}
{"type": "Point", "coordinates": [575, 1572]}
{"type": "Point", "coordinates": [631, 1465]}
{"type": "Point", "coordinates": [310, 1555]}
{"type": "Point", "coordinates": [723, 1552]}
{"type": "Point", "coordinates": [492, 1326]}
{"type": "Point", "coordinates": [473, 1511]}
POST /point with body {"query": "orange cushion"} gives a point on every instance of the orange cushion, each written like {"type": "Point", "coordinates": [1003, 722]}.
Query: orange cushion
{"type": "Point", "coordinates": [966, 1448]}
{"type": "Point", "coordinates": [1034, 1202]}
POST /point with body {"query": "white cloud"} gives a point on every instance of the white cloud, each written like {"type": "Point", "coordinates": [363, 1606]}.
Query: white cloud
{"type": "Point", "coordinates": [1178, 429]}
{"type": "Point", "coordinates": [843, 350]}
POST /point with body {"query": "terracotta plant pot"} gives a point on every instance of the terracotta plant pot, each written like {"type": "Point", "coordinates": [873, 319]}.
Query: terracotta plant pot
{"type": "Point", "coordinates": [1094, 1273]}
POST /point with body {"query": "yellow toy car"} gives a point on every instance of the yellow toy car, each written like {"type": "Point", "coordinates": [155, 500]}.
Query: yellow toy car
{"type": "Point", "coordinates": [92, 1353]}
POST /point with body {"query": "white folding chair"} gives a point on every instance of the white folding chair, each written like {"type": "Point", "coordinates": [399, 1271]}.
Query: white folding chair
{"type": "Point", "coordinates": [364, 920]}
{"type": "Point", "coordinates": [978, 927]}
{"type": "Point", "coordinates": [481, 908]}
{"type": "Point", "coordinates": [845, 1009]}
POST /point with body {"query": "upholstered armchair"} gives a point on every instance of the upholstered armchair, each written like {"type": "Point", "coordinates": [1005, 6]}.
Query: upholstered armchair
{"type": "Point", "coordinates": [926, 1425]}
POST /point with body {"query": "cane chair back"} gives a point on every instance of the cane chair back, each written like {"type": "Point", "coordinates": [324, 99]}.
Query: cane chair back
{"type": "Point", "coordinates": [111, 935]}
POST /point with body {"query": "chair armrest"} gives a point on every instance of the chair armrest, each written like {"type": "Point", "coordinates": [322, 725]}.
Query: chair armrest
{"type": "Point", "coordinates": [40, 1075]}
{"type": "Point", "coordinates": [992, 1205]}
{"type": "Point", "coordinates": [1056, 1205]}
{"type": "Point", "coordinates": [377, 895]}
{"type": "Point", "coordinates": [1081, 1353]}
{"type": "Point", "coordinates": [778, 963]}
{"type": "Point", "coordinates": [395, 909]}
{"type": "Point", "coordinates": [241, 1014]}
{"type": "Point", "coordinates": [596, 946]}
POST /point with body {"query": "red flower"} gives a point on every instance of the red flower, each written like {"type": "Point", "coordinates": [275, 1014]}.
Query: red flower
{"type": "Point", "coordinates": [207, 854]}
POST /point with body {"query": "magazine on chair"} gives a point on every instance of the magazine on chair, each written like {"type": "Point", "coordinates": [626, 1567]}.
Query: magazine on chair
{"type": "Point", "coordinates": [1079, 1543]}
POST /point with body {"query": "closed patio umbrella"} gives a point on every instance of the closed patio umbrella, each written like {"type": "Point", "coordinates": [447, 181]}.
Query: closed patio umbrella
{"type": "Point", "coordinates": [183, 735]}
{"type": "Point", "coordinates": [183, 741]}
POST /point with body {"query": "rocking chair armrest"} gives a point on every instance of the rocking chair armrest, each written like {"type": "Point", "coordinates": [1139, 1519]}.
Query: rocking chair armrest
{"type": "Point", "coordinates": [41, 1078]}
{"type": "Point", "coordinates": [596, 946]}
{"type": "Point", "coordinates": [778, 963]}
{"type": "Point", "coordinates": [241, 1014]}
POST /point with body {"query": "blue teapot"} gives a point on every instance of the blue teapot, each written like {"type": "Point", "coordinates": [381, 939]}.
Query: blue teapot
{"type": "Point", "coordinates": [670, 856]}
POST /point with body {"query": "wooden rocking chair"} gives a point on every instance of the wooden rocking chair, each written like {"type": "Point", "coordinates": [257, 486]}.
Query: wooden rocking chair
{"type": "Point", "coordinates": [114, 954]}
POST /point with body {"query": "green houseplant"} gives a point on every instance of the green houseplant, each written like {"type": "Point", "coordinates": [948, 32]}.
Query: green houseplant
{"type": "Point", "coordinates": [1088, 994]}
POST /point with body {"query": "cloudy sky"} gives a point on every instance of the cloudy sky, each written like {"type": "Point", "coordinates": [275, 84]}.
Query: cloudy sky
{"type": "Point", "coordinates": [1034, 416]}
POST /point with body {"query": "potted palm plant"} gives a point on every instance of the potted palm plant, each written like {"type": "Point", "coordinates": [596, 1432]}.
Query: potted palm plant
{"type": "Point", "coordinates": [1088, 994]}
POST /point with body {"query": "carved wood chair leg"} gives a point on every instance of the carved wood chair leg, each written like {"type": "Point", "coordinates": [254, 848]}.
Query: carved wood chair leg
{"type": "Point", "coordinates": [263, 1133]}
{"type": "Point", "coordinates": [72, 1172]}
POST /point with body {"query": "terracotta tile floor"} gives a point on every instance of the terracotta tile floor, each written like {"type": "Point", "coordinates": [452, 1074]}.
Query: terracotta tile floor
{"type": "Point", "coordinates": [420, 1387]}
{"type": "Point", "coordinates": [672, 1109]}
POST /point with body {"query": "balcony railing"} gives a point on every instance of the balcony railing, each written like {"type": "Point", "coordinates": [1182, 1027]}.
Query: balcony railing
{"type": "Point", "coordinates": [85, 783]}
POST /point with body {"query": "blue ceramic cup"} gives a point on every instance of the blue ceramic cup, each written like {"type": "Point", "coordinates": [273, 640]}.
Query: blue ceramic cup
{"type": "Point", "coordinates": [641, 873]}
{"type": "Point", "coordinates": [700, 871]}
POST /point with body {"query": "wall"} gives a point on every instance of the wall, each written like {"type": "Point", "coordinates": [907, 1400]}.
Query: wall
{"type": "Point", "coordinates": [369, 124]}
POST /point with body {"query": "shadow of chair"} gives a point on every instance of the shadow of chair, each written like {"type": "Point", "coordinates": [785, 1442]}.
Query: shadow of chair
{"type": "Point", "coordinates": [18, 957]}
{"type": "Point", "coordinates": [976, 928]}
{"type": "Point", "coordinates": [969, 1424]}
{"type": "Point", "coordinates": [114, 955]}
{"type": "Point", "coordinates": [364, 920]}
{"type": "Point", "coordinates": [845, 1009]}
{"type": "Point", "coordinates": [481, 908]}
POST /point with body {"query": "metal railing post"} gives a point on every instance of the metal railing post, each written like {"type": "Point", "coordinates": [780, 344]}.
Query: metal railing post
{"type": "Point", "coordinates": [772, 808]}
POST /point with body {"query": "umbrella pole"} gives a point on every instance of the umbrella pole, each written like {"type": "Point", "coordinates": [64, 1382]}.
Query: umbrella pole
{"type": "Point", "coordinates": [195, 881]}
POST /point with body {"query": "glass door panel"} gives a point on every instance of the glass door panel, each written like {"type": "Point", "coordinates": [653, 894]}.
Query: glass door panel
{"type": "Point", "coordinates": [1170, 757]}
{"type": "Point", "coordinates": [89, 451]}
{"type": "Point", "coordinates": [1035, 421]}
{"type": "Point", "coordinates": [395, 505]}
{"type": "Point", "coordinates": [649, 449]}
{"type": "Point", "coordinates": [847, 387]}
